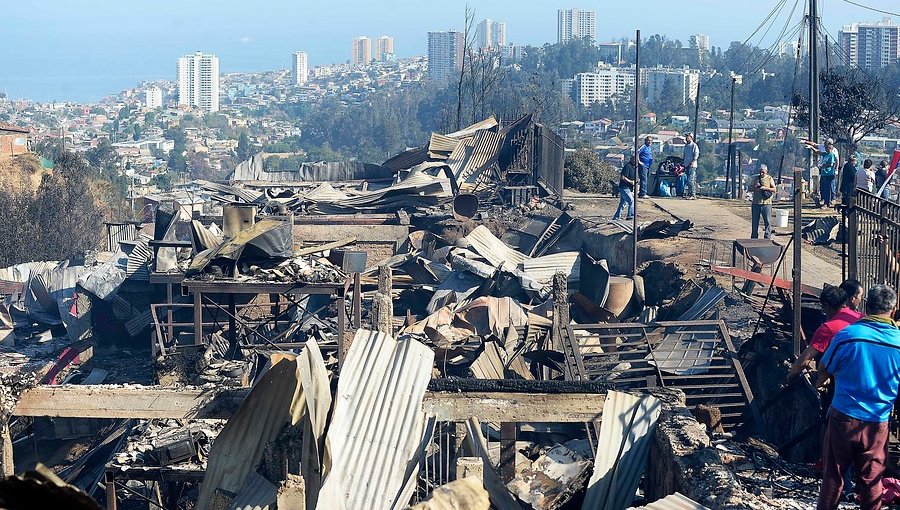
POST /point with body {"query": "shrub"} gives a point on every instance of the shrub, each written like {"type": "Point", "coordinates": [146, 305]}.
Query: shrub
{"type": "Point", "coordinates": [585, 172]}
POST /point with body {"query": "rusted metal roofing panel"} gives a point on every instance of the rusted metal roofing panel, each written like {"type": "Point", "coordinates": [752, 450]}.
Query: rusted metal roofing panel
{"type": "Point", "coordinates": [493, 250]}
{"type": "Point", "coordinates": [407, 159]}
{"type": "Point", "coordinates": [375, 439]}
{"type": "Point", "coordinates": [675, 501]}
{"type": "Point", "coordinates": [626, 431]}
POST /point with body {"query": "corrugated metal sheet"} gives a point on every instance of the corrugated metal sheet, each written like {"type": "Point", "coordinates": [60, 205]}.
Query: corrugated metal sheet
{"type": "Point", "coordinates": [675, 501]}
{"type": "Point", "coordinates": [257, 494]}
{"type": "Point", "coordinates": [375, 439]}
{"type": "Point", "coordinates": [441, 146]}
{"type": "Point", "coordinates": [542, 269]}
{"type": "Point", "coordinates": [489, 364]}
{"type": "Point", "coordinates": [623, 442]}
{"type": "Point", "coordinates": [276, 400]}
{"type": "Point", "coordinates": [324, 192]}
{"type": "Point", "coordinates": [501, 256]}
{"type": "Point", "coordinates": [245, 195]}
{"type": "Point", "coordinates": [117, 232]}
{"type": "Point", "coordinates": [488, 123]}
{"type": "Point", "coordinates": [407, 159]}
{"type": "Point", "coordinates": [474, 155]}
{"type": "Point", "coordinates": [139, 255]}
{"type": "Point", "coordinates": [686, 352]}
{"type": "Point", "coordinates": [709, 299]}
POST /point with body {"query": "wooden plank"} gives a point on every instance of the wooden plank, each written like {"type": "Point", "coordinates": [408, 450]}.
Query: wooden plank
{"type": "Point", "coordinates": [144, 402]}
{"type": "Point", "coordinates": [764, 279]}
{"type": "Point", "coordinates": [147, 402]}
{"type": "Point", "coordinates": [515, 407]}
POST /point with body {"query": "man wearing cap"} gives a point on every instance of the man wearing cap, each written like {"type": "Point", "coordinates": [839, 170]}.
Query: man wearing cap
{"type": "Point", "coordinates": [827, 169]}
{"type": "Point", "coordinates": [626, 189]}
{"type": "Point", "coordinates": [691, 155]}
{"type": "Point", "coordinates": [763, 188]}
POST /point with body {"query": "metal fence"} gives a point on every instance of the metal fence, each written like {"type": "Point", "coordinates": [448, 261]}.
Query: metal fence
{"type": "Point", "coordinates": [873, 241]}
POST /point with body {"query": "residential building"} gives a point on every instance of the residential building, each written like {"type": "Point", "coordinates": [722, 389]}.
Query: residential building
{"type": "Point", "coordinates": [198, 81]}
{"type": "Point", "coordinates": [601, 85]}
{"type": "Point", "coordinates": [13, 140]}
{"type": "Point", "coordinates": [512, 53]}
{"type": "Point", "coordinates": [700, 42]}
{"type": "Point", "coordinates": [576, 24]}
{"type": "Point", "coordinates": [684, 80]}
{"type": "Point", "coordinates": [362, 50]}
{"type": "Point", "coordinates": [445, 54]}
{"type": "Point", "coordinates": [299, 68]}
{"type": "Point", "coordinates": [491, 34]}
{"type": "Point", "coordinates": [384, 49]}
{"type": "Point", "coordinates": [611, 53]}
{"type": "Point", "coordinates": [153, 98]}
{"type": "Point", "coordinates": [787, 49]}
{"type": "Point", "coordinates": [871, 45]}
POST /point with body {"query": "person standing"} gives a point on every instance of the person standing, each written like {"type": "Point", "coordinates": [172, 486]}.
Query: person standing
{"type": "Point", "coordinates": [691, 155]}
{"type": "Point", "coordinates": [827, 169]}
{"type": "Point", "coordinates": [626, 189]}
{"type": "Point", "coordinates": [848, 181]}
{"type": "Point", "coordinates": [854, 290]}
{"type": "Point", "coordinates": [865, 180]}
{"type": "Point", "coordinates": [763, 188]}
{"type": "Point", "coordinates": [838, 316]}
{"type": "Point", "coordinates": [645, 157]}
{"type": "Point", "coordinates": [864, 360]}
{"type": "Point", "coordinates": [881, 176]}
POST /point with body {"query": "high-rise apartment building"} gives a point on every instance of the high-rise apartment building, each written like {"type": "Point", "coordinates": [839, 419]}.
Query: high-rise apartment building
{"type": "Point", "coordinates": [576, 24]}
{"type": "Point", "coordinates": [198, 81]}
{"type": "Point", "coordinates": [685, 81]}
{"type": "Point", "coordinates": [384, 48]}
{"type": "Point", "coordinates": [362, 50]}
{"type": "Point", "coordinates": [299, 68]}
{"type": "Point", "coordinates": [153, 98]}
{"type": "Point", "coordinates": [871, 45]}
{"type": "Point", "coordinates": [700, 42]}
{"type": "Point", "coordinates": [445, 54]}
{"type": "Point", "coordinates": [491, 34]}
{"type": "Point", "coordinates": [601, 85]}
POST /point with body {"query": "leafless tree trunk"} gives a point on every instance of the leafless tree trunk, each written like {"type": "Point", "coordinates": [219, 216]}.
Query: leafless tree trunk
{"type": "Point", "coordinates": [468, 39]}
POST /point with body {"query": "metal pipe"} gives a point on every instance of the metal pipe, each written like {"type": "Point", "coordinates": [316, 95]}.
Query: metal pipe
{"type": "Point", "coordinates": [697, 111]}
{"type": "Point", "coordinates": [728, 171]}
{"type": "Point", "coordinates": [637, 116]}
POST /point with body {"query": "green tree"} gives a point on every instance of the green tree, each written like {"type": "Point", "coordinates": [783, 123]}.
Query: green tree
{"type": "Point", "coordinates": [244, 151]}
{"type": "Point", "coordinates": [585, 172]}
{"type": "Point", "coordinates": [162, 181]}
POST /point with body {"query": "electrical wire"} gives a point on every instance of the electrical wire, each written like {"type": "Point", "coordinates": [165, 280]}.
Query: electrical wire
{"type": "Point", "coordinates": [851, 2]}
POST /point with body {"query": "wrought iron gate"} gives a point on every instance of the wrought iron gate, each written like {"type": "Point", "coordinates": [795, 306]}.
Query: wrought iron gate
{"type": "Point", "coordinates": [873, 244]}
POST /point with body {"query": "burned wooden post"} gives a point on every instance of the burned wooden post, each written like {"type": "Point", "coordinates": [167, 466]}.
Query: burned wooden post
{"type": "Point", "coordinates": [7, 467]}
{"type": "Point", "coordinates": [382, 305]}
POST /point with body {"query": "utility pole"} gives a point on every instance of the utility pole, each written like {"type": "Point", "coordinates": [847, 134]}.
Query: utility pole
{"type": "Point", "coordinates": [637, 117]}
{"type": "Point", "coordinates": [739, 192]}
{"type": "Point", "coordinates": [730, 171]}
{"type": "Point", "coordinates": [798, 173]}
{"type": "Point", "coordinates": [697, 111]}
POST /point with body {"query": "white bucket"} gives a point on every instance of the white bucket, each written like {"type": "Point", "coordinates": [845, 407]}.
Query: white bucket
{"type": "Point", "coordinates": [781, 217]}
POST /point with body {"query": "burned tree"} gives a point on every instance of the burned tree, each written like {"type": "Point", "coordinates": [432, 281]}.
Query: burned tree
{"type": "Point", "coordinates": [853, 105]}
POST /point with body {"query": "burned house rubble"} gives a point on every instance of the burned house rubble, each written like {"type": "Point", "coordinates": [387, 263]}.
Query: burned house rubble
{"type": "Point", "coordinates": [438, 331]}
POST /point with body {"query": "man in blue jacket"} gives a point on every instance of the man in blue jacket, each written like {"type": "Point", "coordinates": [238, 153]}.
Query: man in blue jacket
{"type": "Point", "coordinates": [864, 359]}
{"type": "Point", "coordinates": [645, 156]}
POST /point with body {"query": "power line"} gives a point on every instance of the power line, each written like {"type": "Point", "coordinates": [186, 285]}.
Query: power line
{"type": "Point", "coordinates": [851, 2]}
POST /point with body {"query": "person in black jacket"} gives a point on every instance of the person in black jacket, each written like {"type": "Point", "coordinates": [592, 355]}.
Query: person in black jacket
{"type": "Point", "coordinates": [848, 181]}
{"type": "Point", "coordinates": [627, 179]}
{"type": "Point", "coordinates": [881, 176]}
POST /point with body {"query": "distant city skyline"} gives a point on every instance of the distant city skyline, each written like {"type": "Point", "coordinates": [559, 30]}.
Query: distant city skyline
{"type": "Point", "coordinates": [104, 48]}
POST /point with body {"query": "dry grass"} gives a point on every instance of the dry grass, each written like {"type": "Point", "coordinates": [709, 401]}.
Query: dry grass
{"type": "Point", "coordinates": [21, 172]}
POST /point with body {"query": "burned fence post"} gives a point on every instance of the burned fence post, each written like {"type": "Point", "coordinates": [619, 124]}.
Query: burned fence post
{"type": "Point", "coordinates": [382, 306]}
{"type": "Point", "coordinates": [7, 467]}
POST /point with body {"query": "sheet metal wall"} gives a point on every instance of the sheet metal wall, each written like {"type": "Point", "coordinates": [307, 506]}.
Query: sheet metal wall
{"type": "Point", "coordinates": [549, 156]}
{"type": "Point", "coordinates": [874, 241]}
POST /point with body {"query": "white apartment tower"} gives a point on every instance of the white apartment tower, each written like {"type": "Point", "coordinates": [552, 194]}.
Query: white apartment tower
{"type": "Point", "coordinates": [576, 24]}
{"type": "Point", "coordinates": [445, 54]}
{"type": "Point", "coordinates": [700, 42]}
{"type": "Point", "coordinates": [153, 98]}
{"type": "Point", "coordinates": [198, 81]}
{"type": "Point", "coordinates": [384, 48]}
{"type": "Point", "coordinates": [491, 34]}
{"type": "Point", "coordinates": [362, 50]}
{"type": "Point", "coordinates": [684, 79]}
{"type": "Point", "coordinates": [871, 45]}
{"type": "Point", "coordinates": [601, 85]}
{"type": "Point", "coordinates": [299, 68]}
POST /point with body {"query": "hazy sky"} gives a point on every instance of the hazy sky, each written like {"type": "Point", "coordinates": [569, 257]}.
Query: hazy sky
{"type": "Point", "coordinates": [85, 49]}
